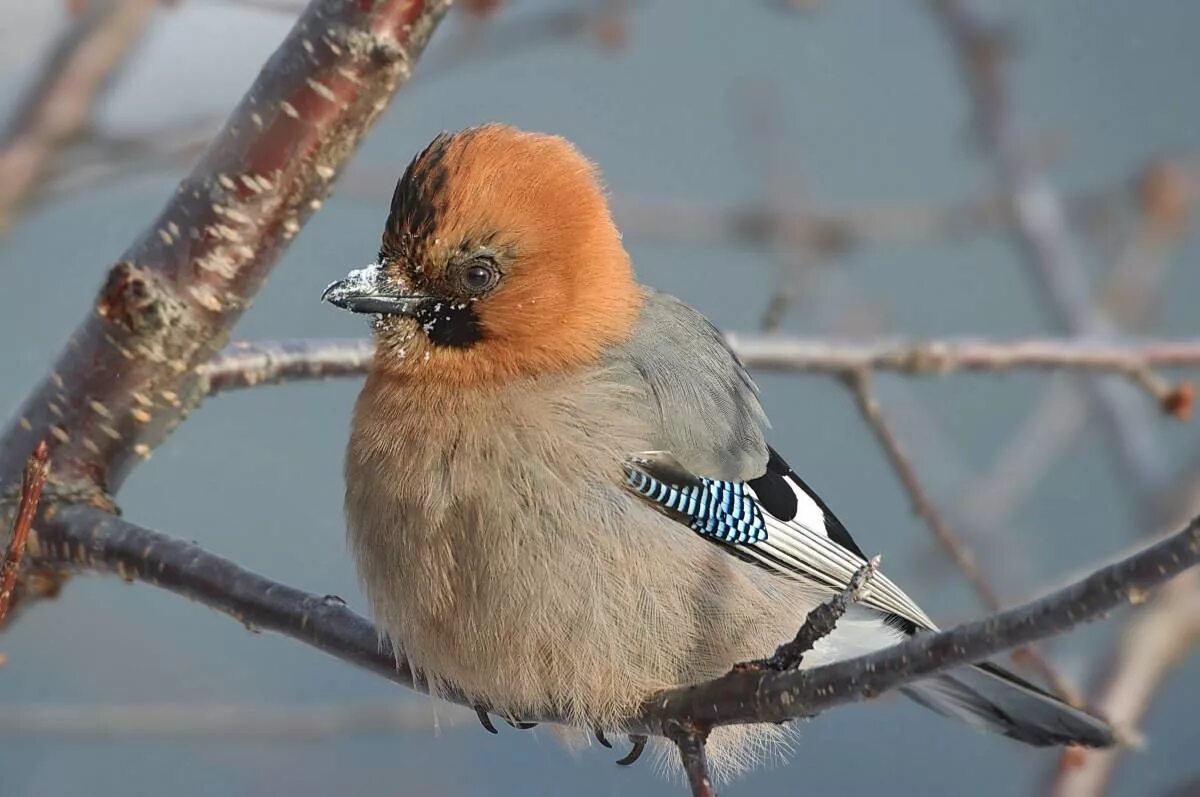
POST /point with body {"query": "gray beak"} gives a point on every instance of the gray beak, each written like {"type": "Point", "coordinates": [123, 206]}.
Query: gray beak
{"type": "Point", "coordinates": [368, 290]}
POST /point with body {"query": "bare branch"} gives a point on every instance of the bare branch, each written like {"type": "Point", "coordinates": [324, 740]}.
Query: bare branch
{"type": "Point", "coordinates": [250, 364]}
{"type": "Point", "coordinates": [37, 467]}
{"type": "Point", "coordinates": [87, 538]}
{"type": "Point", "coordinates": [820, 622]}
{"type": "Point", "coordinates": [247, 364]}
{"type": "Point", "coordinates": [756, 697]}
{"type": "Point", "coordinates": [59, 105]}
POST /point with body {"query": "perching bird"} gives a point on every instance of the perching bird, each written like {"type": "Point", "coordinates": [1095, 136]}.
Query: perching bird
{"type": "Point", "coordinates": [559, 493]}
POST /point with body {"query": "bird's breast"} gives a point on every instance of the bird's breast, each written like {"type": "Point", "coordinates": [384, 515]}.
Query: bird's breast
{"type": "Point", "coordinates": [459, 504]}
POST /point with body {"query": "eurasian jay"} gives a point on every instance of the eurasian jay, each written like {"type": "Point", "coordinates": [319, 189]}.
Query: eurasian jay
{"type": "Point", "coordinates": [559, 492]}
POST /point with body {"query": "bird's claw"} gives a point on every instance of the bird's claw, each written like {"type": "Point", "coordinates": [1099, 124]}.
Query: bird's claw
{"type": "Point", "coordinates": [600, 738]}
{"type": "Point", "coordinates": [639, 744]}
{"type": "Point", "coordinates": [485, 720]}
{"type": "Point", "coordinates": [521, 726]}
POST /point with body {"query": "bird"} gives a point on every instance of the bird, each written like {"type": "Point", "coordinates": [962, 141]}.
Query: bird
{"type": "Point", "coordinates": [559, 493]}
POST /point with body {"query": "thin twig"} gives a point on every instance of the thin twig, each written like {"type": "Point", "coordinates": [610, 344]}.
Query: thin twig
{"type": "Point", "coordinates": [87, 538]}
{"type": "Point", "coordinates": [37, 467]}
{"type": "Point", "coordinates": [821, 621]}
{"type": "Point", "coordinates": [859, 383]}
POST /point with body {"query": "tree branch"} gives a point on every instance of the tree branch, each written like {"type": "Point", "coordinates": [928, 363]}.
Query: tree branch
{"type": "Point", "coordinates": [87, 538]}
{"type": "Point", "coordinates": [772, 697]}
{"type": "Point", "coordinates": [247, 364]}
{"type": "Point", "coordinates": [127, 376]}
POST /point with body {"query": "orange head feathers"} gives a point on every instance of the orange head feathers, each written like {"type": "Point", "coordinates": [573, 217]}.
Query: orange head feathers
{"type": "Point", "coordinates": [499, 259]}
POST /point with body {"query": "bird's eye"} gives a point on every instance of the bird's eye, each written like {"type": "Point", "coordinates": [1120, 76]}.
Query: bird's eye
{"type": "Point", "coordinates": [478, 277]}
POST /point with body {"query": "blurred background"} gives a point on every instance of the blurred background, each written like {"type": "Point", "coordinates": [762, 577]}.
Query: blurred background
{"type": "Point", "coordinates": [809, 169]}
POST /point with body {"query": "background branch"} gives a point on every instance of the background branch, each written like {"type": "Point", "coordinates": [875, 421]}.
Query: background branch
{"type": "Point", "coordinates": [251, 363]}
{"type": "Point", "coordinates": [59, 105]}
{"type": "Point", "coordinates": [1040, 227]}
{"type": "Point", "coordinates": [1153, 643]}
{"type": "Point", "coordinates": [951, 543]}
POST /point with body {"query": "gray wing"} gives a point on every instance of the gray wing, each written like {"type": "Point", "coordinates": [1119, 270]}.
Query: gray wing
{"type": "Point", "coordinates": [705, 406]}
{"type": "Point", "coordinates": [711, 468]}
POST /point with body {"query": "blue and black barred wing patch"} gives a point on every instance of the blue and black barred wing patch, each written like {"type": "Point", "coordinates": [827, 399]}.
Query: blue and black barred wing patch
{"type": "Point", "coordinates": [725, 511]}
{"type": "Point", "coordinates": [775, 521]}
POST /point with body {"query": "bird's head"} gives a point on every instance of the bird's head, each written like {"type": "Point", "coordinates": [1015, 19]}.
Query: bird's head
{"type": "Point", "coordinates": [499, 259]}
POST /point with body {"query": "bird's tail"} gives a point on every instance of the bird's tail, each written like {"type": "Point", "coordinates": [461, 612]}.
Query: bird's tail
{"type": "Point", "coordinates": [989, 697]}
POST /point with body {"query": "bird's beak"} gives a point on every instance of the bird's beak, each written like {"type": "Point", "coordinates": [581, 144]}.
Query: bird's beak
{"type": "Point", "coordinates": [368, 290]}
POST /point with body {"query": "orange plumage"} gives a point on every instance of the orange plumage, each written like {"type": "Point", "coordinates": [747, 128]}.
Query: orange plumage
{"type": "Point", "coordinates": [535, 206]}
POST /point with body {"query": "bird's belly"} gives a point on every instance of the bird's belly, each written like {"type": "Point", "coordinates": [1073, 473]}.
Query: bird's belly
{"type": "Point", "coordinates": [571, 596]}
